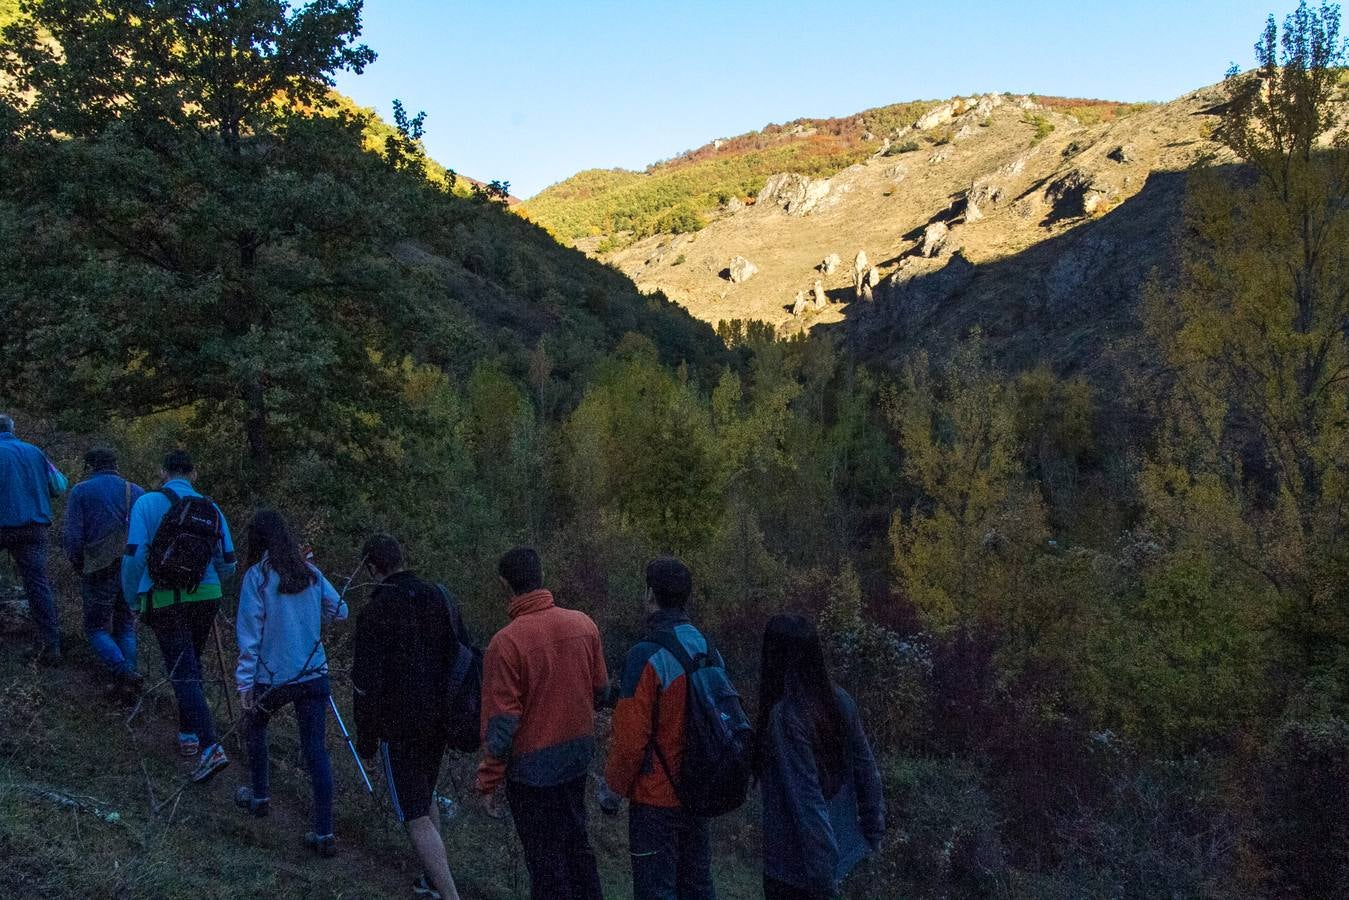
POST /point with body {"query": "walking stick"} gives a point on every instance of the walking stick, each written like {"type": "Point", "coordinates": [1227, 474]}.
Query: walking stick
{"type": "Point", "coordinates": [224, 682]}
{"type": "Point", "coordinates": [346, 736]}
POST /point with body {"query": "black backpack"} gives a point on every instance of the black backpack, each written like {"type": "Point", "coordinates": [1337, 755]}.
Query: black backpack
{"type": "Point", "coordinates": [185, 543]}
{"type": "Point", "coordinates": [463, 692]}
{"type": "Point", "coordinates": [718, 738]}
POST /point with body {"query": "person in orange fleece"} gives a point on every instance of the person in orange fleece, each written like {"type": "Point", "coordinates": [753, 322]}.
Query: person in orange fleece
{"type": "Point", "coordinates": [543, 676]}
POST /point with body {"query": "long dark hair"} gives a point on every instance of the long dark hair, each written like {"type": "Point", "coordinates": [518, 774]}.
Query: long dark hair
{"type": "Point", "coordinates": [792, 668]}
{"type": "Point", "coordinates": [268, 534]}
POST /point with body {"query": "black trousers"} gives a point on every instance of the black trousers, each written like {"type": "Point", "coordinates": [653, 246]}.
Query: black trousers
{"type": "Point", "coordinates": [551, 822]}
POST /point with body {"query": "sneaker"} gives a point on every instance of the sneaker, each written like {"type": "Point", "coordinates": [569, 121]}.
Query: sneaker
{"type": "Point", "coordinates": [188, 744]}
{"type": "Point", "coordinates": [257, 807]}
{"type": "Point", "coordinates": [213, 762]}
{"type": "Point", "coordinates": [422, 888]}
{"type": "Point", "coordinates": [325, 845]}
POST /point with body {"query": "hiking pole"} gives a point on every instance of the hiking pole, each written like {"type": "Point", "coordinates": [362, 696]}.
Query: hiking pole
{"type": "Point", "coordinates": [220, 663]}
{"type": "Point", "coordinates": [346, 736]}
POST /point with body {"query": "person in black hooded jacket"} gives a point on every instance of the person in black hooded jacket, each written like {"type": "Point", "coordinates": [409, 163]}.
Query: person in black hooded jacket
{"type": "Point", "coordinates": [404, 646]}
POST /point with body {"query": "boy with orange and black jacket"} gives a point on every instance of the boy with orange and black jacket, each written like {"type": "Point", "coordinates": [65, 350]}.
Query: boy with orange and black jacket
{"type": "Point", "coordinates": [671, 851]}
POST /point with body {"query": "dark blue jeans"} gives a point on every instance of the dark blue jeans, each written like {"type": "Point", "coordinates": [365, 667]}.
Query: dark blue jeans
{"type": "Point", "coordinates": [27, 545]}
{"type": "Point", "coordinates": [109, 623]}
{"type": "Point", "coordinates": [311, 715]}
{"type": "Point", "coordinates": [182, 630]}
{"type": "Point", "coordinates": [671, 854]}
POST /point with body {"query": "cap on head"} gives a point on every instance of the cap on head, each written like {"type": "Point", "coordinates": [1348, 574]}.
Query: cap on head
{"type": "Point", "coordinates": [670, 581]}
{"type": "Point", "coordinates": [179, 462]}
{"type": "Point", "coordinates": [99, 459]}
{"type": "Point", "coordinates": [522, 570]}
{"type": "Point", "coordinates": [383, 553]}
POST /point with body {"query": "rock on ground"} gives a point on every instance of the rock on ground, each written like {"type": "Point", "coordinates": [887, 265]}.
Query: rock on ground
{"type": "Point", "coordinates": [830, 263]}
{"type": "Point", "coordinates": [934, 238]}
{"type": "Point", "coordinates": [742, 270]}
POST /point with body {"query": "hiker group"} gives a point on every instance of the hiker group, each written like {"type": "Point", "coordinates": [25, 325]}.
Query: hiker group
{"type": "Point", "coordinates": [682, 750]}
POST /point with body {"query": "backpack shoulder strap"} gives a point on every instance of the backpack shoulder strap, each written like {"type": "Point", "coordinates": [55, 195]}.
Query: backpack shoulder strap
{"type": "Point", "coordinates": [171, 494]}
{"type": "Point", "coordinates": [670, 642]}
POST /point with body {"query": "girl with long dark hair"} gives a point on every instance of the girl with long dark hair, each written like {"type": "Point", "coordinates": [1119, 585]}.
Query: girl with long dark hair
{"type": "Point", "coordinates": [284, 601]}
{"type": "Point", "coordinates": [822, 804]}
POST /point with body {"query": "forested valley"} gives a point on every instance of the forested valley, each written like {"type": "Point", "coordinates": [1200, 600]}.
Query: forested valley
{"type": "Point", "coordinates": [1096, 624]}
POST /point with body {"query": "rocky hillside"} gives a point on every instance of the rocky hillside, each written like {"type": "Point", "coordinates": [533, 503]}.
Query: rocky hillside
{"type": "Point", "coordinates": [1028, 216]}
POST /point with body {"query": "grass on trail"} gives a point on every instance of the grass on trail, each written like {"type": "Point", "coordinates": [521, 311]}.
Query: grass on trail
{"type": "Point", "coordinates": [59, 738]}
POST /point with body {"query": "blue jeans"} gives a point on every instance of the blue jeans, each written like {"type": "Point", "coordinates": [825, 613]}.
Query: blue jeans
{"type": "Point", "coordinates": [182, 630]}
{"type": "Point", "coordinates": [311, 715]}
{"type": "Point", "coordinates": [671, 854]}
{"type": "Point", "coordinates": [27, 544]}
{"type": "Point", "coordinates": [109, 623]}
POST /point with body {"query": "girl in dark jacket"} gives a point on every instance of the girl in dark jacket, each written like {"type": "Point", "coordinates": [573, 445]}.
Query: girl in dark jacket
{"type": "Point", "coordinates": [822, 804]}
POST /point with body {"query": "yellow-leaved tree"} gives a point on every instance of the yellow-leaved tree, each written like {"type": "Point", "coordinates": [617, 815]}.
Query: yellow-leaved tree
{"type": "Point", "coordinates": [962, 549]}
{"type": "Point", "coordinates": [1252, 466]}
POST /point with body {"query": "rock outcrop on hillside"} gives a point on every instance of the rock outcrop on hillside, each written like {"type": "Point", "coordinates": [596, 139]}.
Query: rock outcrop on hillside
{"type": "Point", "coordinates": [989, 227]}
{"type": "Point", "coordinates": [794, 194]}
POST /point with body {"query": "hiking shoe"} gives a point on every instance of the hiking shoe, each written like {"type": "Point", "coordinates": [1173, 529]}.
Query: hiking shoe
{"type": "Point", "coordinates": [325, 845]}
{"type": "Point", "coordinates": [213, 762]}
{"type": "Point", "coordinates": [257, 807]}
{"type": "Point", "coordinates": [188, 745]}
{"type": "Point", "coordinates": [422, 888]}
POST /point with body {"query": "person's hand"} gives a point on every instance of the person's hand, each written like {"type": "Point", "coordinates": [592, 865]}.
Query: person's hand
{"type": "Point", "coordinates": [609, 801]}
{"type": "Point", "coordinates": [494, 804]}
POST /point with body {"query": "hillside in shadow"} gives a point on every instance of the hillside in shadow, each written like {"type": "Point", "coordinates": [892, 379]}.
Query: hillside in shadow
{"type": "Point", "coordinates": [1065, 301]}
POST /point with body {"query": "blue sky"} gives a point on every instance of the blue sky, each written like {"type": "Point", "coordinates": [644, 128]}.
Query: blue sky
{"type": "Point", "coordinates": [532, 92]}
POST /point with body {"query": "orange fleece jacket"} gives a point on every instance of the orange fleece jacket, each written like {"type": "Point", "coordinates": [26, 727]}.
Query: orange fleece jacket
{"type": "Point", "coordinates": [541, 676]}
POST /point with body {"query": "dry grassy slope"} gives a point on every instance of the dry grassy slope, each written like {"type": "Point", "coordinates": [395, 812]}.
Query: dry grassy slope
{"type": "Point", "coordinates": [881, 206]}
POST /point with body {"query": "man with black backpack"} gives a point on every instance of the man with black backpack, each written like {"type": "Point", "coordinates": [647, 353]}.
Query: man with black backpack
{"type": "Point", "coordinates": [178, 551]}
{"type": "Point", "coordinates": [681, 745]}
{"type": "Point", "coordinates": [412, 658]}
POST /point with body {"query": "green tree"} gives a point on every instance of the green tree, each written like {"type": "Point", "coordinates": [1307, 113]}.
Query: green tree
{"type": "Point", "coordinates": [207, 230]}
{"type": "Point", "coordinates": [643, 456]}
{"type": "Point", "coordinates": [1255, 454]}
{"type": "Point", "coordinates": [961, 549]}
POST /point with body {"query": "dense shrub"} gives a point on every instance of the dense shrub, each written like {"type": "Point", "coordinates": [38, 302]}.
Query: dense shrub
{"type": "Point", "coordinates": [944, 838]}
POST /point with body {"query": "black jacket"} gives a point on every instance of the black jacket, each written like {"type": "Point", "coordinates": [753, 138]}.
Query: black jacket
{"type": "Point", "coordinates": [404, 643]}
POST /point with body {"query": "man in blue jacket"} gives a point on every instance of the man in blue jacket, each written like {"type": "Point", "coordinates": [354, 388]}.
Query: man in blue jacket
{"type": "Point", "coordinates": [98, 514]}
{"type": "Point", "coordinates": [181, 619]}
{"type": "Point", "coordinates": [28, 482]}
